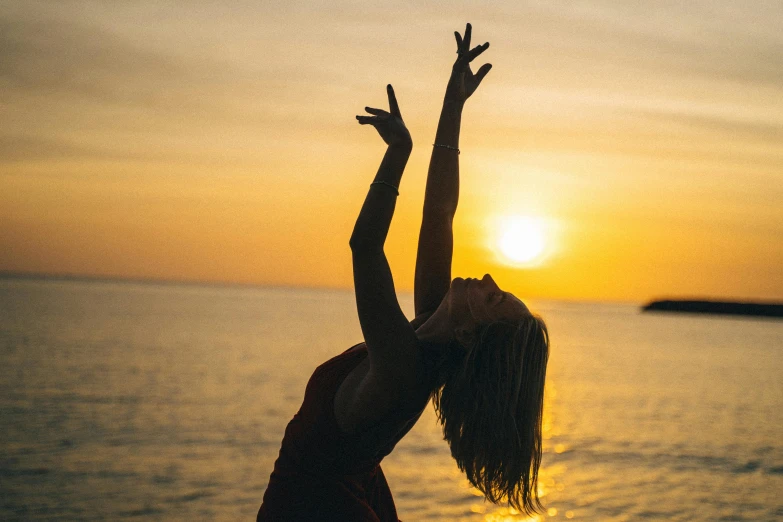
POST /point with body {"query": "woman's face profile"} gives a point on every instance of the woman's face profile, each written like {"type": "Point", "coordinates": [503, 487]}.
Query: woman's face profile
{"type": "Point", "coordinates": [476, 302]}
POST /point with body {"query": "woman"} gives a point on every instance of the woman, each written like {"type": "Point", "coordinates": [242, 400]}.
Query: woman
{"type": "Point", "coordinates": [474, 349]}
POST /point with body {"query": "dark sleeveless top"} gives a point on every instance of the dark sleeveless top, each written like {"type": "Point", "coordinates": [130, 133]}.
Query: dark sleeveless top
{"type": "Point", "coordinates": [324, 474]}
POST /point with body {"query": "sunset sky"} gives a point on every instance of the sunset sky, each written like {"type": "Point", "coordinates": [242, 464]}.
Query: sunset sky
{"type": "Point", "coordinates": [216, 141]}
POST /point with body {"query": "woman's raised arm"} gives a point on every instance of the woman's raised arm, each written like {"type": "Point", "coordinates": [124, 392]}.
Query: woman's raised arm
{"type": "Point", "coordinates": [387, 332]}
{"type": "Point", "coordinates": [436, 241]}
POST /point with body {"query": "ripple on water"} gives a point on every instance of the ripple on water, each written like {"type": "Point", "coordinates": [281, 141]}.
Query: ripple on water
{"type": "Point", "coordinates": [171, 402]}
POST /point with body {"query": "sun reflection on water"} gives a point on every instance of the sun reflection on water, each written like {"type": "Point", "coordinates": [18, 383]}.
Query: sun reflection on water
{"type": "Point", "coordinates": [506, 514]}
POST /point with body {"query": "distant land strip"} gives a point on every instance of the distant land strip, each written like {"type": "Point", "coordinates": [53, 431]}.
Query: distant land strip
{"type": "Point", "coordinates": [716, 307]}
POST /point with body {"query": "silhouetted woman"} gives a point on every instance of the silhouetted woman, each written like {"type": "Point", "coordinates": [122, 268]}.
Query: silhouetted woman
{"type": "Point", "coordinates": [473, 349]}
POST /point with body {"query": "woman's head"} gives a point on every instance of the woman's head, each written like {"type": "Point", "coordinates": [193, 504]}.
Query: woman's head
{"type": "Point", "coordinates": [473, 303]}
{"type": "Point", "coordinates": [490, 400]}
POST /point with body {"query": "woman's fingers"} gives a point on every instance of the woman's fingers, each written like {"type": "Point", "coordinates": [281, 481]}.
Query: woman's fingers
{"type": "Point", "coordinates": [380, 116]}
{"type": "Point", "coordinates": [377, 112]}
{"type": "Point", "coordinates": [482, 72]}
{"type": "Point", "coordinates": [374, 120]}
{"type": "Point", "coordinates": [477, 51]}
{"type": "Point", "coordinates": [459, 41]}
{"type": "Point", "coordinates": [466, 38]}
{"type": "Point", "coordinates": [394, 108]}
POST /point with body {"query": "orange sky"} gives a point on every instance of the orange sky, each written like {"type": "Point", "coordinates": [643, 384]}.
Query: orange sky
{"type": "Point", "coordinates": [217, 142]}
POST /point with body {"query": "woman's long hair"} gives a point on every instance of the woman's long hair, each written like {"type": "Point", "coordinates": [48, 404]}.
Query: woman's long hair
{"type": "Point", "coordinates": [489, 401]}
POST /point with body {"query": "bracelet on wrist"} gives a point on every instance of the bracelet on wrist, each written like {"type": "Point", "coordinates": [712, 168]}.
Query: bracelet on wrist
{"type": "Point", "coordinates": [395, 189]}
{"type": "Point", "coordinates": [446, 147]}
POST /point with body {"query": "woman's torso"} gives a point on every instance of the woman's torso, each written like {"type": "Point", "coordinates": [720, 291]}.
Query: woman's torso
{"type": "Point", "coordinates": [338, 469]}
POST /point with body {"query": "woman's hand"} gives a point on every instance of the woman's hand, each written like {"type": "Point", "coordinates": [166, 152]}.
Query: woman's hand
{"type": "Point", "coordinates": [388, 124]}
{"type": "Point", "coordinates": [463, 82]}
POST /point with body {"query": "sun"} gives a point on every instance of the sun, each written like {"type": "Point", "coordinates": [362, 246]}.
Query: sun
{"type": "Point", "coordinates": [521, 240]}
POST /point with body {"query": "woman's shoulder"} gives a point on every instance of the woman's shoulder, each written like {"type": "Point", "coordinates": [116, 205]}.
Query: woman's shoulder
{"type": "Point", "coordinates": [334, 370]}
{"type": "Point", "coordinates": [368, 394]}
{"type": "Point", "coordinates": [317, 406]}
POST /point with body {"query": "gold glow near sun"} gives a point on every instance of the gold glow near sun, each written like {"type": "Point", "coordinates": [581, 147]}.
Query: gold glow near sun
{"type": "Point", "coordinates": [521, 240]}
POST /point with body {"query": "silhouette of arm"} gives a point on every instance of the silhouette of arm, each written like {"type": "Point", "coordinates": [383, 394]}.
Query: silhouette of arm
{"type": "Point", "coordinates": [389, 336]}
{"type": "Point", "coordinates": [436, 238]}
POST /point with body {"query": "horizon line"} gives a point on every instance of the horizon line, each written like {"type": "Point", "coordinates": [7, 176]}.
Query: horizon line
{"type": "Point", "coordinates": [64, 276]}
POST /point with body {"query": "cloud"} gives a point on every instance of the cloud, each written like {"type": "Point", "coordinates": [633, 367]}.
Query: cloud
{"type": "Point", "coordinates": [77, 90]}
{"type": "Point", "coordinates": [62, 58]}
{"type": "Point", "coordinates": [69, 60]}
{"type": "Point", "coordinates": [726, 127]}
{"type": "Point", "coordinates": [21, 148]}
{"type": "Point", "coordinates": [709, 40]}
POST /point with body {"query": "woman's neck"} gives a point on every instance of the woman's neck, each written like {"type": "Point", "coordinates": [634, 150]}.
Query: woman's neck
{"type": "Point", "coordinates": [435, 331]}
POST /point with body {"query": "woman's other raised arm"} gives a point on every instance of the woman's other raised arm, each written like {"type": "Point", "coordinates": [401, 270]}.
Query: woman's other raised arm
{"type": "Point", "coordinates": [390, 339]}
{"type": "Point", "coordinates": [436, 239]}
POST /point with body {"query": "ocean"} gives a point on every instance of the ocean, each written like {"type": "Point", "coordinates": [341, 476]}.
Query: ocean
{"type": "Point", "coordinates": [123, 400]}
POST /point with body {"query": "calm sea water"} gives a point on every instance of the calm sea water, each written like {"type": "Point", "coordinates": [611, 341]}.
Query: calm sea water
{"type": "Point", "coordinates": [165, 402]}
